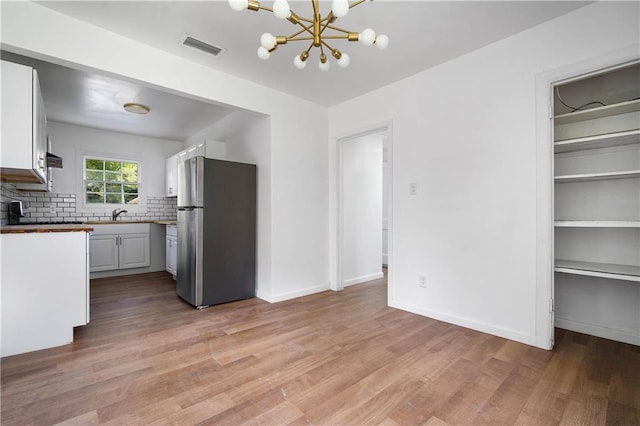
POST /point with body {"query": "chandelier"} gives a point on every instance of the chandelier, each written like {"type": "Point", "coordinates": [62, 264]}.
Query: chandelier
{"type": "Point", "coordinates": [316, 30]}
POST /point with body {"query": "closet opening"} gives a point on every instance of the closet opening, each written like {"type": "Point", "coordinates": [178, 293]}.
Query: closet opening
{"type": "Point", "coordinates": [596, 203]}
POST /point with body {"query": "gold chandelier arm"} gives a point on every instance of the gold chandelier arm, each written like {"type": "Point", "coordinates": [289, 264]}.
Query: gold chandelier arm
{"type": "Point", "coordinates": [292, 36]}
{"type": "Point", "coordinates": [301, 18]}
{"type": "Point", "coordinates": [336, 37]}
{"type": "Point", "coordinates": [327, 46]}
{"type": "Point", "coordinates": [338, 29]}
{"type": "Point", "coordinates": [355, 3]}
{"type": "Point", "coordinates": [300, 38]}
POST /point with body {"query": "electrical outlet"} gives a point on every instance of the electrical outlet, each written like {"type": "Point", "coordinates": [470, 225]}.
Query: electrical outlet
{"type": "Point", "coordinates": [52, 209]}
{"type": "Point", "coordinates": [413, 188]}
{"type": "Point", "coordinates": [422, 281]}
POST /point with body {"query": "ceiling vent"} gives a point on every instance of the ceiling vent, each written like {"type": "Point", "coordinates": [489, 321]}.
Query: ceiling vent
{"type": "Point", "coordinates": [190, 41]}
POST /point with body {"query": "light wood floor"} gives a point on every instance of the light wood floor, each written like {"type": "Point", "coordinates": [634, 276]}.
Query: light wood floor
{"type": "Point", "coordinates": [330, 358]}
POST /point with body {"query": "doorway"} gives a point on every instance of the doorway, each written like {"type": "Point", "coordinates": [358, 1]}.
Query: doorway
{"type": "Point", "coordinates": [364, 206]}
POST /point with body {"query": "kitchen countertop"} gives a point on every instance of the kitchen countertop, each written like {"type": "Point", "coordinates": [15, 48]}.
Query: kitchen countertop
{"type": "Point", "coordinates": [23, 229]}
{"type": "Point", "coordinates": [83, 227]}
{"type": "Point", "coordinates": [124, 222]}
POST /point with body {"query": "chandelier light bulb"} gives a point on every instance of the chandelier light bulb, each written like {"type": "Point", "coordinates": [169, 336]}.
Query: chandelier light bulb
{"type": "Point", "coordinates": [263, 53]}
{"type": "Point", "coordinates": [344, 61]}
{"type": "Point", "coordinates": [268, 40]}
{"type": "Point", "coordinates": [340, 8]}
{"type": "Point", "coordinates": [281, 9]}
{"type": "Point", "coordinates": [238, 5]}
{"type": "Point", "coordinates": [324, 66]}
{"type": "Point", "coordinates": [299, 63]}
{"type": "Point", "coordinates": [367, 37]}
{"type": "Point", "coordinates": [382, 41]}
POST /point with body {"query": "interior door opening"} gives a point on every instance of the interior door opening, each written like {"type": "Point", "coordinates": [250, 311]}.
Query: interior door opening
{"type": "Point", "coordinates": [364, 212]}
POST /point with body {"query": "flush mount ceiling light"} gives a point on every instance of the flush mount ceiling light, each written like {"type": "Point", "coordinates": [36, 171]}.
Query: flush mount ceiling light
{"type": "Point", "coordinates": [136, 108]}
{"type": "Point", "coordinates": [316, 30]}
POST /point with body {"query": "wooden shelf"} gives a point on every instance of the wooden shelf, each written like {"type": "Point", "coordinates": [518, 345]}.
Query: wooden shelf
{"type": "Point", "coordinates": [602, 270]}
{"type": "Point", "coordinates": [597, 224]}
{"type": "Point", "coordinates": [600, 141]}
{"type": "Point", "coordinates": [598, 176]}
{"type": "Point", "coordinates": [600, 112]}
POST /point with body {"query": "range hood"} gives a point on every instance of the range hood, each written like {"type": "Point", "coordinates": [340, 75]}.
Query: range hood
{"type": "Point", "coordinates": [54, 161]}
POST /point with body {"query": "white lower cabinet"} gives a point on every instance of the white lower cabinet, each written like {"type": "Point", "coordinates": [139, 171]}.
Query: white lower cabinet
{"type": "Point", "coordinates": [119, 246]}
{"type": "Point", "coordinates": [41, 305]}
{"type": "Point", "coordinates": [172, 250]}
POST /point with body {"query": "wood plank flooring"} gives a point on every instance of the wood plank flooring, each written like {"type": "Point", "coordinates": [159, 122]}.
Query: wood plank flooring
{"type": "Point", "coordinates": [330, 358]}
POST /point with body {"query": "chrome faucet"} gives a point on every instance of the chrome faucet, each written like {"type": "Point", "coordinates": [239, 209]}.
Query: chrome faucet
{"type": "Point", "coordinates": [115, 213]}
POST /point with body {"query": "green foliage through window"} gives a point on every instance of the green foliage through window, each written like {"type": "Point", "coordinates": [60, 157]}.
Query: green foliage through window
{"type": "Point", "coordinates": [109, 181]}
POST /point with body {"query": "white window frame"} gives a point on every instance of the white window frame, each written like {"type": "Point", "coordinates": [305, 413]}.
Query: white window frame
{"type": "Point", "coordinates": [82, 206]}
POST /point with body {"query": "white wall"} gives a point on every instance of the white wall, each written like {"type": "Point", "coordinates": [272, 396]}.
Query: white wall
{"type": "Point", "coordinates": [465, 131]}
{"type": "Point", "coordinates": [71, 142]}
{"type": "Point", "coordinates": [298, 212]}
{"type": "Point", "coordinates": [361, 209]}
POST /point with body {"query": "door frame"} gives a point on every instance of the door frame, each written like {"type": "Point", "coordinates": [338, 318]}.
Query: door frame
{"type": "Point", "coordinates": [385, 128]}
{"type": "Point", "coordinates": [545, 84]}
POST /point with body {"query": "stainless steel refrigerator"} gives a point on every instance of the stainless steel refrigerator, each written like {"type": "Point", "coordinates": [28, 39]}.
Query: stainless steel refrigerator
{"type": "Point", "coordinates": [216, 231]}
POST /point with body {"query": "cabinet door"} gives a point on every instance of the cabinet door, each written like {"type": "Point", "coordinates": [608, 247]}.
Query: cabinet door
{"type": "Point", "coordinates": [17, 110]}
{"type": "Point", "coordinates": [134, 250]}
{"type": "Point", "coordinates": [172, 255]}
{"type": "Point", "coordinates": [171, 189]}
{"type": "Point", "coordinates": [103, 251]}
{"type": "Point", "coordinates": [39, 131]}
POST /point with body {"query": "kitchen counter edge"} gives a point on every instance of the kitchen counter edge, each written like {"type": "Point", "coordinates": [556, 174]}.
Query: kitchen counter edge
{"type": "Point", "coordinates": [24, 229]}
{"type": "Point", "coordinates": [83, 227]}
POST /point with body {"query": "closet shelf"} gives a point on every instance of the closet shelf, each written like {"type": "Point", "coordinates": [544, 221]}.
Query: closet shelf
{"type": "Point", "coordinates": [600, 112]}
{"type": "Point", "coordinates": [602, 270]}
{"type": "Point", "coordinates": [597, 224]}
{"type": "Point", "coordinates": [626, 174]}
{"type": "Point", "coordinates": [600, 141]}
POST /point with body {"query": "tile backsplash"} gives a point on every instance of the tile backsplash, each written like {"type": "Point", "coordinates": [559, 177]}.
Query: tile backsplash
{"type": "Point", "coordinates": [53, 207]}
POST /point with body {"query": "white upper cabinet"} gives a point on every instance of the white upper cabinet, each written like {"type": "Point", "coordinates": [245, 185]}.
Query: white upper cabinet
{"type": "Point", "coordinates": [172, 176]}
{"type": "Point", "coordinates": [208, 148]}
{"type": "Point", "coordinates": [24, 125]}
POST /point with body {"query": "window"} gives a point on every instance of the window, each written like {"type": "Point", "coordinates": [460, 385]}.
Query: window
{"type": "Point", "coordinates": [111, 181]}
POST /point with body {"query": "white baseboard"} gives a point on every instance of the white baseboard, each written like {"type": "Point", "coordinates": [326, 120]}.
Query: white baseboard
{"type": "Point", "coordinates": [281, 297]}
{"type": "Point", "coordinates": [599, 331]}
{"type": "Point", "coordinates": [363, 279]}
{"type": "Point", "coordinates": [483, 327]}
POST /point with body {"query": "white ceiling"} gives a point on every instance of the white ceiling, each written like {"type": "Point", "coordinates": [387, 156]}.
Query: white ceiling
{"type": "Point", "coordinates": [422, 34]}
{"type": "Point", "coordinates": [95, 100]}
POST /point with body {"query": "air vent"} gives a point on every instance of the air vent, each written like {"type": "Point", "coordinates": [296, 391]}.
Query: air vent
{"type": "Point", "coordinates": [188, 40]}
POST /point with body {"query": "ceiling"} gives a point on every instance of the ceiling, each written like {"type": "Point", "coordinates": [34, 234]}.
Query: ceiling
{"type": "Point", "coordinates": [422, 34]}
{"type": "Point", "coordinates": [95, 100]}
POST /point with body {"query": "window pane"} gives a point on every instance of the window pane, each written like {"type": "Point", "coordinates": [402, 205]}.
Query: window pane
{"type": "Point", "coordinates": [130, 188]}
{"type": "Point", "coordinates": [130, 172]}
{"type": "Point", "coordinates": [131, 198]}
{"type": "Point", "coordinates": [95, 187]}
{"type": "Point", "coordinates": [95, 175]}
{"type": "Point", "coordinates": [114, 198]}
{"type": "Point", "coordinates": [130, 177]}
{"type": "Point", "coordinates": [114, 187]}
{"type": "Point", "coordinates": [112, 176]}
{"type": "Point", "coordinates": [94, 164]}
{"type": "Point", "coordinates": [113, 165]}
{"type": "Point", "coordinates": [95, 198]}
